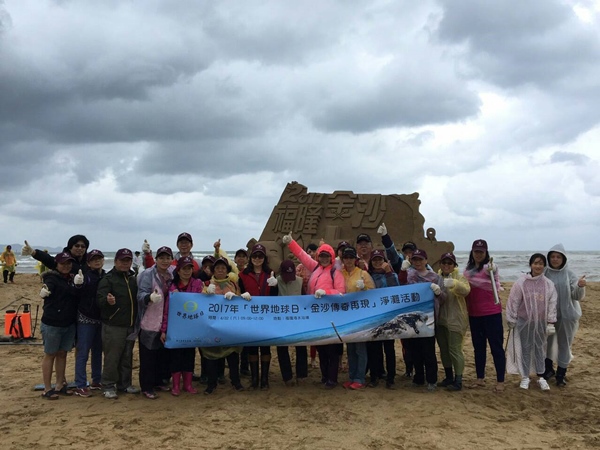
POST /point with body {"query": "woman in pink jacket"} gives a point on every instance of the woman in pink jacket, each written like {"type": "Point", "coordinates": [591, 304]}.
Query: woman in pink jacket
{"type": "Point", "coordinates": [324, 280]}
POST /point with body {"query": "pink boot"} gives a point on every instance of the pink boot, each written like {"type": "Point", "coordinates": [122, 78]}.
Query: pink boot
{"type": "Point", "coordinates": [176, 383]}
{"type": "Point", "coordinates": [187, 383]}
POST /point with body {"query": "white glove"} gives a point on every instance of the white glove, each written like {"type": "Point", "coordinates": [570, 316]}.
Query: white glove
{"type": "Point", "coordinates": [27, 250]}
{"type": "Point", "coordinates": [45, 292]}
{"type": "Point", "coordinates": [448, 282]}
{"type": "Point", "coordinates": [511, 325]}
{"type": "Point", "coordinates": [320, 293]}
{"type": "Point", "coordinates": [246, 296]}
{"type": "Point", "coordinates": [146, 247]}
{"type": "Point", "coordinates": [550, 330]}
{"type": "Point", "coordinates": [211, 288]}
{"type": "Point", "coordinates": [436, 289]}
{"type": "Point", "coordinates": [155, 297]}
{"type": "Point", "coordinates": [491, 267]}
{"type": "Point", "coordinates": [78, 279]}
{"type": "Point", "coordinates": [405, 265]}
{"type": "Point", "coordinates": [229, 295]}
{"type": "Point", "coordinates": [287, 238]}
{"type": "Point", "coordinates": [360, 284]}
{"type": "Point", "coordinates": [272, 281]}
{"type": "Point", "coordinates": [382, 230]}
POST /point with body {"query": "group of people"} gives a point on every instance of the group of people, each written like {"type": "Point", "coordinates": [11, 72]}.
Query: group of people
{"type": "Point", "coordinates": [104, 313]}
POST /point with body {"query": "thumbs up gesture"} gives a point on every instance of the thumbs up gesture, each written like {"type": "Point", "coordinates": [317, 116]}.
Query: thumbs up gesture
{"type": "Point", "coordinates": [581, 282]}
{"type": "Point", "coordinates": [155, 297]}
{"type": "Point", "coordinates": [382, 230]}
{"type": "Point", "coordinates": [146, 247]}
{"type": "Point", "coordinates": [272, 281]}
{"type": "Point", "coordinates": [45, 292]}
{"type": "Point", "coordinates": [217, 245]}
{"type": "Point", "coordinates": [287, 238]}
{"type": "Point", "coordinates": [27, 250]}
{"type": "Point", "coordinates": [78, 279]}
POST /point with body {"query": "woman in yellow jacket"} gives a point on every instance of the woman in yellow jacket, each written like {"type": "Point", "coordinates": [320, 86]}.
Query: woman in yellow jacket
{"type": "Point", "coordinates": [9, 262]}
{"type": "Point", "coordinates": [356, 280]}
{"type": "Point", "coordinates": [452, 323]}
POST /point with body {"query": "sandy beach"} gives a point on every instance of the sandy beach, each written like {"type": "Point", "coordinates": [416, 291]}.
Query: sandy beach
{"type": "Point", "coordinates": [305, 417]}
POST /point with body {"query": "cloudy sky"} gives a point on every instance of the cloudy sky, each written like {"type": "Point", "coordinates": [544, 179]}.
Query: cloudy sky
{"type": "Point", "coordinates": [125, 120]}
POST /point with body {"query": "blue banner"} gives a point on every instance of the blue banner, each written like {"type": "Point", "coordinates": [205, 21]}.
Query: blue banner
{"type": "Point", "coordinates": [203, 320]}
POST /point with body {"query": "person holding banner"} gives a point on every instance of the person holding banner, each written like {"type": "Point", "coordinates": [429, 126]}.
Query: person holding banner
{"type": "Point", "coordinates": [258, 279]}
{"type": "Point", "coordinates": [222, 284]}
{"type": "Point", "coordinates": [422, 349]}
{"type": "Point", "coordinates": [181, 360]}
{"type": "Point", "coordinates": [153, 289]}
{"type": "Point", "coordinates": [356, 280]}
{"type": "Point", "coordinates": [304, 273]}
{"type": "Point", "coordinates": [290, 284]}
{"type": "Point", "coordinates": [530, 315]}
{"type": "Point", "coordinates": [452, 322]}
{"type": "Point", "coordinates": [485, 314]}
{"type": "Point", "coordinates": [324, 280]}
{"type": "Point", "coordinates": [383, 276]}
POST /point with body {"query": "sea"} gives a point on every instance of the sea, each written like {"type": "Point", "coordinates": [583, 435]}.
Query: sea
{"type": "Point", "coordinates": [511, 264]}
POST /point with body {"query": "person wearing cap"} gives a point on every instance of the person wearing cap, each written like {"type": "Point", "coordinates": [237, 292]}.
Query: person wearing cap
{"type": "Point", "coordinates": [206, 268]}
{"type": "Point", "coordinates": [339, 250]}
{"type": "Point", "coordinates": [452, 322]}
{"type": "Point", "coordinates": [288, 283]}
{"type": "Point", "coordinates": [383, 276]}
{"type": "Point", "coordinates": [220, 253]}
{"type": "Point", "coordinates": [485, 316]}
{"type": "Point", "coordinates": [422, 349]}
{"type": "Point", "coordinates": [324, 280]}
{"type": "Point", "coordinates": [185, 243]}
{"type": "Point", "coordinates": [76, 246]}
{"type": "Point", "coordinates": [89, 327]}
{"type": "Point", "coordinates": [116, 296]}
{"type": "Point", "coordinates": [356, 280]}
{"type": "Point", "coordinates": [364, 247]}
{"type": "Point", "coordinates": [153, 288]}
{"type": "Point", "coordinates": [571, 289]}
{"type": "Point", "coordinates": [59, 320]}
{"type": "Point", "coordinates": [9, 264]}
{"type": "Point", "coordinates": [258, 279]}
{"type": "Point", "coordinates": [530, 315]}
{"type": "Point", "coordinates": [303, 273]}
{"type": "Point", "coordinates": [181, 360]}
{"type": "Point", "coordinates": [222, 284]}
{"type": "Point", "coordinates": [241, 259]}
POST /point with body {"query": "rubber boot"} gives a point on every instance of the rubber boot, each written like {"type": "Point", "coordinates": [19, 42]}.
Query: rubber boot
{"type": "Point", "coordinates": [456, 385]}
{"type": "Point", "coordinates": [253, 361]}
{"type": "Point", "coordinates": [5, 275]}
{"type": "Point", "coordinates": [549, 372]}
{"type": "Point", "coordinates": [11, 277]}
{"type": "Point", "coordinates": [561, 373]}
{"type": "Point", "coordinates": [176, 389]}
{"type": "Point", "coordinates": [449, 378]}
{"type": "Point", "coordinates": [187, 383]}
{"type": "Point", "coordinates": [265, 363]}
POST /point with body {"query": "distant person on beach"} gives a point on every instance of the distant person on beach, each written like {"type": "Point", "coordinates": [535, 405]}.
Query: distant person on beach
{"type": "Point", "coordinates": [76, 246]}
{"type": "Point", "coordinates": [117, 294]}
{"type": "Point", "coordinates": [153, 289]}
{"type": "Point", "coordinates": [137, 262]}
{"type": "Point", "coordinates": [530, 315]}
{"type": "Point", "coordinates": [485, 315]}
{"type": "Point", "coordinates": [9, 264]}
{"type": "Point", "coordinates": [89, 327]}
{"type": "Point", "coordinates": [58, 323]}
{"type": "Point", "coordinates": [570, 289]}
{"type": "Point", "coordinates": [452, 322]}
{"type": "Point", "coordinates": [324, 280]}
{"type": "Point", "coordinates": [422, 349]}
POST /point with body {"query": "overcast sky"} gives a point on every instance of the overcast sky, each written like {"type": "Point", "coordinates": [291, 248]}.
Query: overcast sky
{"type": "Point", "coordinates": [126, 120]}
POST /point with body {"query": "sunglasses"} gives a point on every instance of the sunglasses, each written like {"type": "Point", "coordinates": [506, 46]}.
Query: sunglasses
{"type": "Point", "coordinates": [258, 256]}
{"type": "Point", "coordinates": [447, 263]}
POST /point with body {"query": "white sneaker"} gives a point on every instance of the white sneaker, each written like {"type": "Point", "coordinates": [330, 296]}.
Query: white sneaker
{"type": "Point", "coordinates": [111, 395]}
{"type": "Point", "coordinates": [525, 383]}
{"type": "Point", "coordinates": [543, 384]}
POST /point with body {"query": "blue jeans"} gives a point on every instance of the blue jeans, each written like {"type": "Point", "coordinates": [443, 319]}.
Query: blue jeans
{"type": "Point", "coordinates": [357, 361]}
{"type": "Point", "coordinates": [89, 337]}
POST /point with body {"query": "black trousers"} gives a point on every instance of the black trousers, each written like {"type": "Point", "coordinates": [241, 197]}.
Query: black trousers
{"type": "Point", "coordinates": [329, 360]}
{"type": "Point", "coordinates": [213, 367]}
{"type": "Point", "coordinates": [182, 359]}
{"type": "Point", "coordinates": [154, 367]}
{"type": "Point", "coordinates": [285, 363]}
{"type": "Point", "coordinates": [422, 350]}
{"type": "Point", "coordinates": [375, 353]}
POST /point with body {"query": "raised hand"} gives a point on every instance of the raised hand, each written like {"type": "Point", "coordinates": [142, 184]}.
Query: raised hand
{"type": "Point", "coordinates": [156, 296]}
{"type": "Point", "coordinates": [78, 279]}
{"type": "Point", "coordinates": [27, 250]}
{"type": "Point", "coordinates": [272, 281]}
{"type": "Point", "coordinates": [287, 238]}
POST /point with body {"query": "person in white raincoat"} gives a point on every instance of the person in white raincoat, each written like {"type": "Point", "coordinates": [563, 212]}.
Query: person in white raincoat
{"type": "Point", "coordinates": [571, 290]}
{"type": "Point", "coordinates": [530, 315]}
